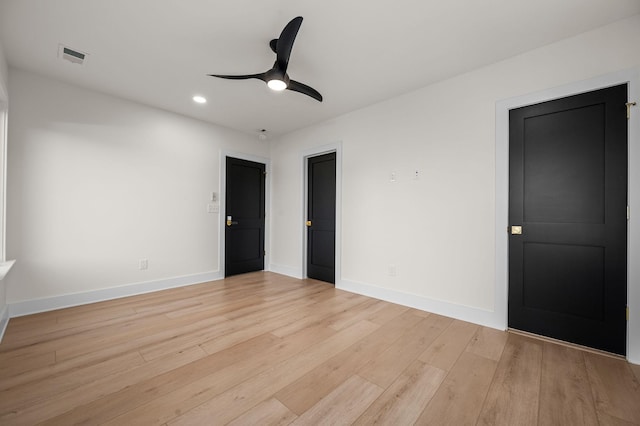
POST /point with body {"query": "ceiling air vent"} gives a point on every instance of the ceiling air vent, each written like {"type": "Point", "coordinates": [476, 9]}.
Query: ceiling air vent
{"type": "Point", "coordinates": [71, 55]}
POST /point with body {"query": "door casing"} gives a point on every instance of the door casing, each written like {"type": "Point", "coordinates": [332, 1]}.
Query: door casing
{"type": "Point", "coordinates": [632, 78]}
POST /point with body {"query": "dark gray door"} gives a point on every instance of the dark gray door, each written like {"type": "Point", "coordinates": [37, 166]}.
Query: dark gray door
{"type": "Point", "coordinates": [568, 192]}
{"type": "Point", "coordinates": [245, 224]}
{"type": "Point", "coordinates": [321, 217]}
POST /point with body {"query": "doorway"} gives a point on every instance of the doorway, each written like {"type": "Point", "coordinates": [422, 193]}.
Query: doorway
{"type": "Point", "coordinates": [244, 216]}
{"type": "Point", "coordinates": [321, 217]}
{"type": "Point", "coordinates": [568, 215]}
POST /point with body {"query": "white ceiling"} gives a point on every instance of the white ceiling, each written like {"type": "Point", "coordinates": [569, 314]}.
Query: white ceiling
{"type": "Point", "coordinates": [355, 53]}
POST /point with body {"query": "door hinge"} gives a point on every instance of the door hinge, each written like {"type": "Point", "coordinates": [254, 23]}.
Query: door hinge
{"type": "Point", "coordinates": [629, 105]}
{"type": "Point", "coordinates": [628, 213]}
{"type": "Point", "coordinates": [627, 313]}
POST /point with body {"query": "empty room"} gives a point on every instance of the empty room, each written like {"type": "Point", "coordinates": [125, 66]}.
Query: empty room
{"type": "Point", "coordinates": [319, 213]}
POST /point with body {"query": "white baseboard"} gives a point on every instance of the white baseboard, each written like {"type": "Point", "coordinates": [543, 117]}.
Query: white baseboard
{"type": "Point", "coordinates": [464, 313]}
{"type": "Point", "coordinates": [29, 307]}
{"type": "Point", "coordinates": [289, 271]}
{"type": "Point", "coordinates": [4, 321]}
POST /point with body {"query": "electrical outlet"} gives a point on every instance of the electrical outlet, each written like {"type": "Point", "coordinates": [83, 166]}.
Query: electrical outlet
{"type": "Point", "coordinates": [392, 177]}
{"type": "Point", "coordinates": [393, 270]}
{"type": "Point", "coordinates": [143, 264]}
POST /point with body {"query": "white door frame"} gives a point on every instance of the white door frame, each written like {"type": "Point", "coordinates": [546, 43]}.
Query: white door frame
{"type": "Point", "coordinates": [223, 197]}
{"type": "Point", "coordinates": [304, 156]}
{"type": "Point", "coordinates": [632, 78]}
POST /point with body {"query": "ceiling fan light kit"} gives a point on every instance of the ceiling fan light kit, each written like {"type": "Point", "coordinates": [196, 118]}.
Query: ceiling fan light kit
{"type": "Point", "coordinates": [277, 78]}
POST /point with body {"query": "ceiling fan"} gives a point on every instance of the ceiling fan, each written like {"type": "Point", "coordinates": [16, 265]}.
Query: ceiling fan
{"type": "Point", "coordinates": [277, 77]}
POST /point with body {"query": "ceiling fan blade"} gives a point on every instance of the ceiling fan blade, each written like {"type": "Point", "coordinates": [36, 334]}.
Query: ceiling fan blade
{"type": "Point", "coordinates": [240, 77]}
{"type": "Point", "coordinates": [304, 89]}
{"type": "Point", "coordinates": [273, 44]}
{"type": "Point", "coordinates": [285, 42]}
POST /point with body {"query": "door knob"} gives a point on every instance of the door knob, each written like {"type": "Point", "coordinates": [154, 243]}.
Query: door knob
{"type": "Point", "coordinates": [516, 230]}
{"type": "Point", "coordinates": [308, 223]}
{"type": "Point", "coordinates": [231, 222]}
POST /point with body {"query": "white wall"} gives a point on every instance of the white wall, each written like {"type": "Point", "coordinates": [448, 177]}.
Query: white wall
{"type": "Point", "coordinates": [440, 229]}
{"type": "Point", "coordinates": [4, 71]}
{"type": "Point", "coordinates": [96, 183]}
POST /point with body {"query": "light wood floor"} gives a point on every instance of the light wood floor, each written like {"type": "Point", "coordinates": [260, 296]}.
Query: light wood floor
{"type": "Point", "coordinates": [264, 349]}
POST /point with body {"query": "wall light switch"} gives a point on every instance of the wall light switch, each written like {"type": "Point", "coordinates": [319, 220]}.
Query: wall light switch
{"type": "Point", "coordinates": [214, 196]}
{"type": "Point", "coordinates": [143, 264]}
{"type": "Point", "coordinates": [213, 208]}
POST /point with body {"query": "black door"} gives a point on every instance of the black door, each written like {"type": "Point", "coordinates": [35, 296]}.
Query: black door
{"type": "Point", "coordinates": [244, 230]}
{"type": "Point", "coordinates": [321, 218]}
{"type": "Point", "coordinates": [568, 192]}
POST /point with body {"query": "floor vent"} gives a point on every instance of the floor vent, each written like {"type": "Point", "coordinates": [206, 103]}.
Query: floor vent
{"type": "Point", "coordinates": [71, 55]}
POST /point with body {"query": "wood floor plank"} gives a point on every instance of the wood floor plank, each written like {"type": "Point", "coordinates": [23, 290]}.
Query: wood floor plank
{"type": "Point", "coordinates": [387, 366]}
{"type": "Point", "coordinates": [224, 333]}
{"type": "Point", "coordinates": [565, 392]}
{"type": "Point", "coordinates": [270, 412]}
{"type": "Point", "coordinates": [386, 314]}
{"type": "Point", "coordinates": [488, 342]}
{"type": "Point", "coordinates": [342, 406]}
{"type": "Point", "coordinates": [23, 396]}
{"type": "Point", "coordinates": [513, 396]}
{"type": "Point", "coordinates": [262, 322]}
{"type": "Point", "coordinates": [48, 410]}
{"type": "Point", "coordinates": [129, 398]}
{"type": "Point", "coordinates": [70, 366]}
{"type": "Point", "coordinates": [133, 338]}
{"type": "Point", "coordinates": [636, 370]}
{"type": "Point", "coordinates": [25, 334]}
{"type": "Point", "coordinates": [54, 333]}
{"type": "Point", "coordinates": [459, 399]}
{"type": "Point", "coordinates": [303, 393]}
{"type": "Point", "coordinates": [206, 354]}
{"type": "Point", "coordinates": [615, 389]}
{"type": "Point", "coordinates": [17, 367]}
{"type": "Point", "coordinates": [82, 340]}
{"type": "Point", "coordinates": [185, 395]}
{"type": "Point", "coordinates": [359, 312]}
{"type": "Point", "coordinates": [404, 400]}
{"type": "Point", "coordinates": [286, 300]}
{"type": "Point", "coordinates": [319, 313]}
{"type": "Point", "coordinates": [445, 350]}
{"type": "Point", "coordinates": [608, 420]}
{"type": "Point", "coordinates": [238, 399]}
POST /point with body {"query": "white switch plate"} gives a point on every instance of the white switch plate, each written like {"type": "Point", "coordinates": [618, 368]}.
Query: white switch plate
{"type": "Point", "coordinates": [143, 264]}
{"type": "Point", "coordinates": [214, 196]}
{"type": "Point", "coordinates": [213, 208]}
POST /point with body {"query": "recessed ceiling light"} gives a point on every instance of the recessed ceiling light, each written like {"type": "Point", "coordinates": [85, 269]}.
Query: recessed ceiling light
{"type": "Point", "coordinates": [199, 99]}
